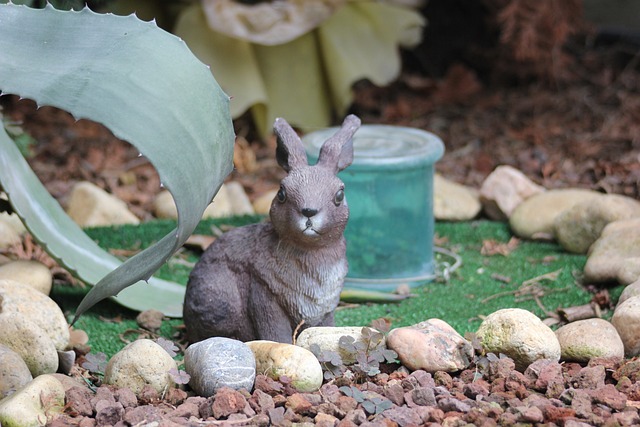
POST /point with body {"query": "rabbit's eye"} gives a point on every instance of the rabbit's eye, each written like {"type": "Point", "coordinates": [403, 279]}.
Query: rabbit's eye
{"type": "Point", "coordinates": [282, 194]}
{"type": "Point", "coordinates": [339, 197]}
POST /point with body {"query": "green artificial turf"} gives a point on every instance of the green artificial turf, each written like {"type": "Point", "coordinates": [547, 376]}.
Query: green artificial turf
{"type": "Point", "coordinates": [482, 284]}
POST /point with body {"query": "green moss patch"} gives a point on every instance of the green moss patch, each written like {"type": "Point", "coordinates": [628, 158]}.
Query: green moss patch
{"type": "Point", "coordinates": [494, 274]}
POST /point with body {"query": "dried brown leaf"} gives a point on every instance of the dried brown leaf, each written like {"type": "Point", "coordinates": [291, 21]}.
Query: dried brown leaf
{"type": "Point", "coordinates": [493, 247]}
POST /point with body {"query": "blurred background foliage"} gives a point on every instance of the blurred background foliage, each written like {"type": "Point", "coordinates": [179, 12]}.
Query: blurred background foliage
{"type": "Point", "coordinates": [300, 59]}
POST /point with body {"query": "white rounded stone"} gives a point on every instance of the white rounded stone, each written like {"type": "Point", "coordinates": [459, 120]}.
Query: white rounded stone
{"type": "Point", "coordinates": [618, 243]}
{"type": "Point", "coordinates": [165, 207]}
{"type": "Point", "coordinates": [34, 404]}
{"type": "Point", "coordinates": [142, 362]}
{"type": "Point", "coordinates": [14, 373]}
{"type": "Point", "coordinates": [584, 339]}
{"type": "Point", "coordinates": [534, 217]}
{"type": "Point", "coordinates": [577, 227]}
{"type": "Point", "coordinates": [504, 189]}
{"type": "Point", "coordinates": [626, 319]}
{"type": "Point", "coordinates": [453, 201]}
{"type": "Point", "coordinates": [38, 308]}
{"type": "Point", "coordinates": [298, 364]}
{"type": "Point", "coordinates": [520, 335]}
{"type": "Point", "coordinates": [8, 236]}
{"type": "Point", "coordinates": [240, 203]}
{"type": "Point", "coordinates": [91, 206]}
{"type": "Point", "coordinates": [327, 339]}
{"type": "Point", "coordinates": [629, 291]}
{"type": "Point", "coordinates": [27, 339]}
{"type": "Point", "coordinates": [262, 204]}
{"type": "Point", "coordinates": [32, 273]}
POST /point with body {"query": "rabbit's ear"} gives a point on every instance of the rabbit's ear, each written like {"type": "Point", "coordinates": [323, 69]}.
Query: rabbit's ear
{"type": "Point", "coordinates": [337, 151]}
{"type": "Point", "coordinates": [290, 153]}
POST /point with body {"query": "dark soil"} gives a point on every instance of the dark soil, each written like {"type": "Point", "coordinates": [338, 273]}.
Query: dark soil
{"type": "Point", "coordinates": [580, 128]}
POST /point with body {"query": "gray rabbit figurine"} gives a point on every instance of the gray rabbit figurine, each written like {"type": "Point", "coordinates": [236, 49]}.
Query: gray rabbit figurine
{"type": "Point", "coordinates": [263, 280]}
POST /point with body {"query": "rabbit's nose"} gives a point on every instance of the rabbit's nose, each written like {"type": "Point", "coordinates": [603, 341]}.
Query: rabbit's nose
{"type": "Point", "coordinates": [309, 212]}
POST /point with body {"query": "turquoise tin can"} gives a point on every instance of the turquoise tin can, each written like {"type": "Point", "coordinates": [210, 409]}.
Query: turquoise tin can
{"type": "Point", "coordinates": [389, 189]}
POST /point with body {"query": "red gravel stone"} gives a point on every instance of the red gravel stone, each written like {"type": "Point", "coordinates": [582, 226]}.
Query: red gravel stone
{"type": "Point", "coordinates": [227, 401]}
{"type": "Point", "coordinates": [608, 395]}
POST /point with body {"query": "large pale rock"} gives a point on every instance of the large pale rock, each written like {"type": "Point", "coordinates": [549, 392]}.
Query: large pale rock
{"type": "Point", "coordinates": [629, 271]}
{"type": "Point", "coordinates": [453, 201]}
{"type": "Point", "coordinates": [165, 207]}
{"type": "Point", "coordinates": [327, 339]}
{"type": "Point", "coordinates": [504, 189]}
{"type": "Point", "coordinates": [240, 203]}
{"type": "Point", "coordinates": [27, 339]}
{"type": "Point", "coordinates": [584, 339]}
{"type": "Point", "coordinates": [14, 373]}
{"type": "Point", "coordinates": [619, 241]}
{"type": "Point", "coordinates": [8, 236]}
{"type": "Point", "coordinates": [32, 273]}
{"type": "Point", "coordinates": [519, 334]}
{"type": "Point", "coordinates": [629, 291]}
{"type": "Point", "coordinates": [577, 227]}
{"type": "Point", "coordinates": [626, 319]}
{"type": "Point", "coordinates": [33, 405]}
{"type": "Point", "coordinates": [38, 308]}
{"type": "Point", "coordinates": [141, 363]}
{"type": "Point", "coordinates": [431, 346]}
{"type": "Point", "coordinates": [262, 204]}
{"type": "Point", "coordinates": [276, 359]}
{"type": "Point", "coordinates": [534, 217]}
{"type": "Point", "coordinates": [219, 362]}
{"type": "Point", "coordinates": [91, 206]}
{"type": "Point", "coordinates": [11, 219]}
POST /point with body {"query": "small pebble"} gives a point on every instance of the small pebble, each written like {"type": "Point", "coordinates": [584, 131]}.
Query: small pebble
{"type": "Point", "coordinates": [151, 320]}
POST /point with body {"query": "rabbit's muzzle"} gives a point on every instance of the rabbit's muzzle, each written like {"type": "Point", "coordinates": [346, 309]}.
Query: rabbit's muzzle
{"type": "Point", "coordinates": [311, 227]}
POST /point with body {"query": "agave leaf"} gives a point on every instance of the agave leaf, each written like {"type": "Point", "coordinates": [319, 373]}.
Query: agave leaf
{"type": "Point", "coordinates": [148, 89]}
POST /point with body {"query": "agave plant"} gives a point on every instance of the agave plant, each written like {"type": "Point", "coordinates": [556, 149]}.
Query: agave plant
{"type": "Point", "coordinates": [145, 86]}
